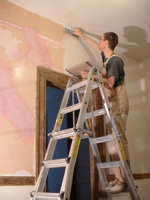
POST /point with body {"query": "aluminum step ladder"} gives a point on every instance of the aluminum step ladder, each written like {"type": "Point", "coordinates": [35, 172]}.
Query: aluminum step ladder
{"type": "Point", "coordinates": [81, 129]}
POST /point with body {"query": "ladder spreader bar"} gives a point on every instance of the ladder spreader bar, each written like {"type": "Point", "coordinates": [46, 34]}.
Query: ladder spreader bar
{"type": "Point", "coordinates": [102, 139]}
{"type": "Point", "coordinates": [109, 164]}
{"type": "Point", "coordinates": [95, 113]}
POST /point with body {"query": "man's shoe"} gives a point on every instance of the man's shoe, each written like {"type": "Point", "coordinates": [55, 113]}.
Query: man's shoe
{"type": "Point", "coordinates": [113, 183]}
{"type": "Point", "coordinates": [119, 187]}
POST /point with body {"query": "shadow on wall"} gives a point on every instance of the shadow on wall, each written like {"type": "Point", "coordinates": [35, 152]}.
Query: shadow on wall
{"type": "Point", "coordinates": [141, 48]}
{"type": "Point", "coordinates": [138, 49]}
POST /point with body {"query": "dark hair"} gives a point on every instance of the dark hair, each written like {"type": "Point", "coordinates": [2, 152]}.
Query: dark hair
{"type": "Point", "coordinates": [112, 39]}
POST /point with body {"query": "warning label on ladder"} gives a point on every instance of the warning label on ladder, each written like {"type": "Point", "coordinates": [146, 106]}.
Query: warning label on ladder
{"type": "Point", "coordinates": [76, 147]}
{"type": "Point", "coordinates": [121, 150]}
{"type": "Point", "coordinates": [60, 119]}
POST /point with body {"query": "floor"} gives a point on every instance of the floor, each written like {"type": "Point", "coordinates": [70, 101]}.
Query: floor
{"type": "Point", "coordinates": [143, 190]}
{"type": "Point", "coordinates": [23, 192]}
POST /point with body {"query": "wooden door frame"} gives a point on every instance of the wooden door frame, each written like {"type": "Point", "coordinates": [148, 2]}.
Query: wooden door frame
{"type": "Point", "coordinates": [53, 79]}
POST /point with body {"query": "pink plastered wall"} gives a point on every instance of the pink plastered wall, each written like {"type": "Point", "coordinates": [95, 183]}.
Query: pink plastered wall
{"type": "Point", "coordinates": [25, 43]}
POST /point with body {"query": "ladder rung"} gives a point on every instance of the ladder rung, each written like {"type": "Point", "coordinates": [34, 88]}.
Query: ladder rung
{"type": "Point", "coordinates": [80, 85]}
{"type": "Point", "coordinates": [95, 113]}
{"type": "Point", "coordinates": [62, 134]}
{"type": "Point", "coordinates": [77, 85]}
{"type": "Point", "coordinates": [109, 164]}
{"type": "Point", "coordinates": [55, 163]}
{"type": "Point", "coordinates": [71, 108]}
{"type": "Point", "coordinates": [43, 195]}
{"type": "Point", "coordinates": [94, 85]}
{"type": "Point", "coordinates": [103, 139]}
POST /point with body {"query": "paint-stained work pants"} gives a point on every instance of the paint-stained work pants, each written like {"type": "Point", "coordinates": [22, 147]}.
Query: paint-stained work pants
{"type": "Point", "coordinates": [120, 108]}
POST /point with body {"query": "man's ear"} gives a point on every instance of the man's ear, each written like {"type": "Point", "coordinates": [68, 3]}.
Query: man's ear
{"type": "Point", "coordinates": [106, 42]}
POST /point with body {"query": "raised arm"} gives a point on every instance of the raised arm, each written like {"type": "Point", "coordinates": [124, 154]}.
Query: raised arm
{"type": "Point", "coordinates": [90, 41]}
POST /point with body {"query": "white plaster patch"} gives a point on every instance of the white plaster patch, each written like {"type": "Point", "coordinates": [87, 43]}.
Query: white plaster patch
{"type": "Point", "coordinates": [10, 44]}
{"type": "Point", "coordinates": [21, 172]}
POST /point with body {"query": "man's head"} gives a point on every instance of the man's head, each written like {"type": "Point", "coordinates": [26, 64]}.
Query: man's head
{"type": "Point", "coordinates": [110, 39]}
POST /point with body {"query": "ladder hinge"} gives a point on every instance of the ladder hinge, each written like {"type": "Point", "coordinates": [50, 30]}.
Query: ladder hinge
{"type": "Point", "coordinates": [61, 195]}
{"type": "Point", "coordinates": [31, 193]}
{"type": "Point", "coordinates": [75, 129]}
{"type": "Point", "coordinates": [68, 160]}
{"type": "Point", "coordinates": [95, 70]}
{"type": "Point", "coordinates": [42, 164]}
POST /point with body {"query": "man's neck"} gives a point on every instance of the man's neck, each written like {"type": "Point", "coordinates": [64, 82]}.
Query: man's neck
{"type": "Point", "coordinates": [108, 53]}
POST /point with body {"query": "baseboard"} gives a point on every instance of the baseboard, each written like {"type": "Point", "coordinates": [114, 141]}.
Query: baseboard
{"type": "Point", "coordinates": [16, 180]}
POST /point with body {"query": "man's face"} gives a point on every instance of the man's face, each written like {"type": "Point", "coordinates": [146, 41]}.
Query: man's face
{"type": "Point", "coordinates": [102, 43]}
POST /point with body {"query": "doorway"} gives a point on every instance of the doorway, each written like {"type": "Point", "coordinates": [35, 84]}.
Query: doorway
{"type": "Point", "coordinates": [59, 81]}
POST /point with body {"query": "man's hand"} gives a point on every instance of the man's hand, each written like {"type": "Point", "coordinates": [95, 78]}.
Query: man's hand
{"type": "Point", "coordinates": [84, 74]}
{"type": "Point", "coordinates": [78, 31]}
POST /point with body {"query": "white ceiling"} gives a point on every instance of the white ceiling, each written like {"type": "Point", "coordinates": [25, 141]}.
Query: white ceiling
{"type": "Point", "coordinates": [130, 19]}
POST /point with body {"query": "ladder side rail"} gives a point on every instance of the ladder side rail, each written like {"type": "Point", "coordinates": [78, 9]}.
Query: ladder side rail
{"type": "Point", "coordinates": [76, 140]}
{"type": "Point", "coordinates": [87, 121]}
{"type": "Point", "coordinates": [106, 103]}
{"type": "Point", "coordinates": [73, 102]}
{"type": "Point", "coordinates": [85, 99]}
{"type": "Point", "coordinates": [50, 149]}
{"type": "Point", "coordinates": [39, 187]}
{"type": "Point", "coordinates": [44, 171]}
{"type": "Point", "coordinates": [68, 175]}
{"type": "Point", "coordinates": [117, 139]}
{"type": "Point", "coordinates": [64, 102]}
{"type": "Point", "coordinates": [92, 115]}
{"type": "Point", "coordinates": [102, 174]}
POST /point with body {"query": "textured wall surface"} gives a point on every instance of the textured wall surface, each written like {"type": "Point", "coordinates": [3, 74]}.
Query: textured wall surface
{"type": "Point", "coordinates": [26, 41]}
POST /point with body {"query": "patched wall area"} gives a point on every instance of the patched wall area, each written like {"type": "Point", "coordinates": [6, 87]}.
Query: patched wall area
{"type": "Point", "coordinates": [26, 42]}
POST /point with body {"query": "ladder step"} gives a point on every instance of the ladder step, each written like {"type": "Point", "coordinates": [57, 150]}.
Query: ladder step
{"type": "Point", "coordinates": [102, 139]}
{"type": "Point", "coordinates": [80, 86]}
{"type": "Point", "coordinates": [109, 164]}
{"type": "Point", "coordinates": [95, 113]}
{"type": "Point", "coordinates": [55, 163]}
{"type": "Point", "coordinates": [77, 85]}
{"type": "Point", "coordinates": [71, 108]}
{"type": "Point", "coordinates": [44, 195]}
{"type": "Point", "coordinates": [62, 134]}
{"type": "Point", "coordinates": [94, 86]}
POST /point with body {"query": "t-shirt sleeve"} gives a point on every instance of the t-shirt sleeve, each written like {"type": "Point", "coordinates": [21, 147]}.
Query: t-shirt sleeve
{"type": "Point", "coordinates": [113, 68]}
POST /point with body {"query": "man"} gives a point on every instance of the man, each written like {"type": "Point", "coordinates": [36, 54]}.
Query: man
{"type": "Point", "coordinates": [113, 79]}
